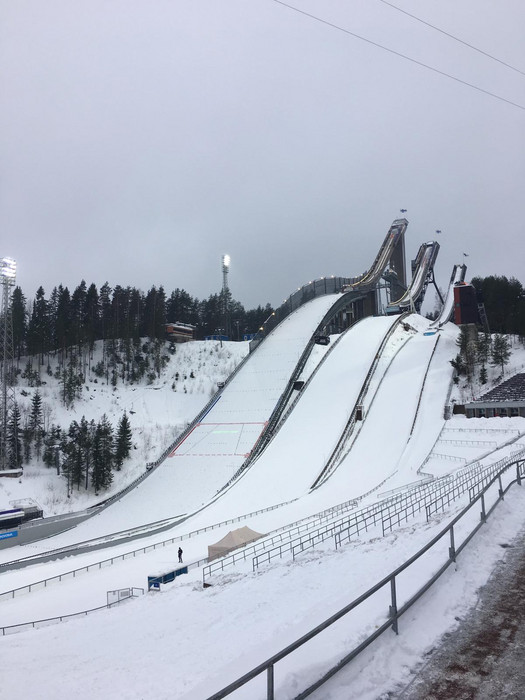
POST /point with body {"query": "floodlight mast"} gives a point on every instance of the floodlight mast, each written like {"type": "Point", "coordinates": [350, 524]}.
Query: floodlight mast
{"type": "Point", "coordinates": [226, 311]}
{"type": "Point", "coordinates": [7, 398]}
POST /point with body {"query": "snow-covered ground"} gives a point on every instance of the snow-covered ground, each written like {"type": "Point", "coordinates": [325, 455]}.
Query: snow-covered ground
{"type": "Point", "coordinates": [158, 413]}
{"type": "Point", "coordinates": [186, 641]}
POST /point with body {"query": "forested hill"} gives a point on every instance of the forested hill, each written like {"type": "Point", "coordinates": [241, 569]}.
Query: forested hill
{"type": "Point", "coordinates": [504, 301]}
{"type": "Point", "coordinates": [64, 319]}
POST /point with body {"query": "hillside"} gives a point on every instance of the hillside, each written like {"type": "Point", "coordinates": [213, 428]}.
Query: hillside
{"type": "Point", "coordinates": [159, 409]}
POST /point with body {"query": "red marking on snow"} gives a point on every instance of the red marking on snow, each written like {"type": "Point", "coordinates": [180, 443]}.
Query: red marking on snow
{"type": "Point", "coordinates": [211, 454]}
{"type": "Point", "coordinates": [238, 423]}
{"type": "Point", "coordinates": [173, 453]}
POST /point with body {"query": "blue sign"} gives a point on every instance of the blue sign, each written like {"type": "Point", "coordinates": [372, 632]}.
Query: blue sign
{"type": "Point", "coordinates": [7, 535]}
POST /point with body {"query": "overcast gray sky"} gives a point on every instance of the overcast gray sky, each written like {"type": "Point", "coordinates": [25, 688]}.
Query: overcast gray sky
{"type": "Point", "coordinates": [142, 139]}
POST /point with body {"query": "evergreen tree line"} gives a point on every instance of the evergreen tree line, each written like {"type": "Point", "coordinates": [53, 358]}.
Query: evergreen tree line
{"type": "Point", "coordinates": [66, 320]}
{"type": "Point", "coordinates": [476, 350]}
{"type": "Point", "coordinates": [504, 301]}
{"type": "Point", "coordinates": [87, 452]}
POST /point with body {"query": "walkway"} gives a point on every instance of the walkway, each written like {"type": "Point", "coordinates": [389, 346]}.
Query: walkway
{"type": "Point", "coordinates": [483, 658]}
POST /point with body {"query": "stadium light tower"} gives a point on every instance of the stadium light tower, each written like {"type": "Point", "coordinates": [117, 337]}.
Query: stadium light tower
{"type": "Point", "coordinates": [225, 269]}
{"type": "Point", "coordinates": [226, 311]}
{"type": "Point", "coordinates": [7, 405]}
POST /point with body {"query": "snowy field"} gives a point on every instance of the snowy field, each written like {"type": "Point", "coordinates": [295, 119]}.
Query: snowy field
{"type": "Point", "coordinates": [186, 641]}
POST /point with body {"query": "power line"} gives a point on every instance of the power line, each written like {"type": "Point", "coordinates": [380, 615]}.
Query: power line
{"type": "Point", "coordinates": [451, 36]}
{"type": "Point", "coordinates": [400, 55]}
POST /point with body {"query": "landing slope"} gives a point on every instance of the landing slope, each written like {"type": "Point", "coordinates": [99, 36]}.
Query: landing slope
{"type": "Point", "coordinates": [219, 444]}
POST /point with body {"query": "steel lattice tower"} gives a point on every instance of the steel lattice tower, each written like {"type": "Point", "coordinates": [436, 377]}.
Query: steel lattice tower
{"type": "Point", "coordinates": [7, 405]}
{"type": "Point", "coordinates": [226, 311]}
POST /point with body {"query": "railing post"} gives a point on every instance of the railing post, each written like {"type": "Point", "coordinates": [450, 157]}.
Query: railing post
{"type": "Point", "coordinates": [452, 548]}
{"type": "Point", "coordinates": [483, 513]}
{"type": "Point", "coordinates": [269, 683]}
{"type": "Point", "coordinates": [518, 474]}
{"type": "Point", "coordinates": [393, 606]}
{"type": "Point", "coordinates": [500, 487]}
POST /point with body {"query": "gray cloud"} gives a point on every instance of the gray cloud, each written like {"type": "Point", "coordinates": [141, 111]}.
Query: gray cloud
{"type": "Point", "coordinates": [139, 141]}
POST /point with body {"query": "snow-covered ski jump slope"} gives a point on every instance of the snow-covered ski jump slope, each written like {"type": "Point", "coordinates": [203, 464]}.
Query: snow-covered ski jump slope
{"type": "Point", "coordinates": [458, 275]}
{"type": "Point", "coordinates": [219, 444]}
{"type": "Point", "coordinates": [299, 451]}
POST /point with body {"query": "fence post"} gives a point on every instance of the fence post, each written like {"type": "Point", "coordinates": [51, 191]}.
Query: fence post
{"type": "Point", "coordinates": [518, 474]}
{"type": "Point", "coordinates": [500, 487]}
{"type": "Point", "coordinates": [269, 683]}
{"type": "Point", "coordinates": [393, 606]}
{"type": "Point", "coordinates": [452, 548]}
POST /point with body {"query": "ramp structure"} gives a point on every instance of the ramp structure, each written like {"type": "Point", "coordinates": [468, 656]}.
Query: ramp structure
{"type": "Point", "coordinates": [391, 253]}
{"type": "Point", "coordinates": [458, 275]}
{"type": "Point", "coordinates": [423, 275]}
{"type": "Point", "coordinates": [388, 264]}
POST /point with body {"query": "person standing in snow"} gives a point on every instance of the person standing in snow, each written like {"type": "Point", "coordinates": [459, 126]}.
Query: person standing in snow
{"type": "Point", "coordinates": [180, 555]}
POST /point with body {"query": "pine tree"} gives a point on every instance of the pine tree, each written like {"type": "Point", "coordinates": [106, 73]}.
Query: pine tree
{"type": "Point", "coordinates": [19, 314]}
{"type": "Point", "coordinates": [14, 442]}
{"type": "Point", "coordinates": [75, 449]}
{"type": "Point", "coordinates": [123, 446]}
{"type": "Point", "coordinates": [78, 314]}
{"type": "Point", "coordinates": [87, 432]}
{"type": "Point", "coordinates": [458, 364]}
{"type": "Point", "coordinates": [39, 331]}
{"type": "Point", "coordinates": [467, 343]}
{"type": "Point", "coordinates": [483, 346]}
{"type": "Point", "coordinates": [63, 321]}
{"type": "Point", "coordinates": [103, 456]}
{"type": "Point", "coordinates": [36, 425]}
{"type": "Point", "coordinates": [53, 438]}
{"type": "Point", "coordinates": [26, 442]}
{"type": "Point", "coordinates": [69, 450]}
{"type": "Point", "coordinates": [483, 375]}
{"type": "Point", "coordinates": [501, 352]}
{"type": "Point", "coordinates": [71, 381]}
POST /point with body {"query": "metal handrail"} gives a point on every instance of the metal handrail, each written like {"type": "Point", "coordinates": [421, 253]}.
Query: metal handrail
{"type": "Point", "coordinates": [61, 618]}
{"type": "Point", "coordinates": [390, 512]}
{"type": "Point", "coordinates": [133, 553]}
{"type": "Point", "coordinates": [394, 612]}
{"type": "Point", "coordinates": [289, 529]}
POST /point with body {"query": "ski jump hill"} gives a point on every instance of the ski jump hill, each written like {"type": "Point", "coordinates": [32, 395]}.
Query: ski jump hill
{"type": "Point", "coordinates": [283, 430]}
{"type": "Point", "coordinates": [330, 425]}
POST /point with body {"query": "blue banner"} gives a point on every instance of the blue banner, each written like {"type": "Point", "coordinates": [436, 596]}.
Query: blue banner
{"type": "Point", "coordinates": [7, 535]}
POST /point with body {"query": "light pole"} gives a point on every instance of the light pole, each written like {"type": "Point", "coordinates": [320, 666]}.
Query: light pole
{"type": "Point", "coordinates": [225, 269]}
{"type": "Point", "coordinates": [7, 280]}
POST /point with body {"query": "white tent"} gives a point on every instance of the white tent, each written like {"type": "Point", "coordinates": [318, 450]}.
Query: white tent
{"type": "Point", "coordinates": [233, 540]}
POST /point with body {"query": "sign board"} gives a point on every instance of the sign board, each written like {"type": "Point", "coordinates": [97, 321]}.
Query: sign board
{"type": "Point", "coordinates": [7, 535]}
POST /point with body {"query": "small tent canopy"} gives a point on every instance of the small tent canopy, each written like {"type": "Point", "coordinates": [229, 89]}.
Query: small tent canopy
{"type": "Point", "coordinates": [233, 540]}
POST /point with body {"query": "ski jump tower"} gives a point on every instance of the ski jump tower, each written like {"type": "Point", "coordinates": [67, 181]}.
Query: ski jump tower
{"type": "Point", "coordinates": [389, 264]}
